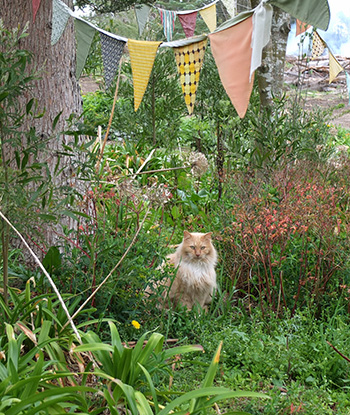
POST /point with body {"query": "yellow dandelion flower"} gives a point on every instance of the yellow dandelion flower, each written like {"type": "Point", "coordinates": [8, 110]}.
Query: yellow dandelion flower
{"type": "Point", "coordinates": [136, 324]}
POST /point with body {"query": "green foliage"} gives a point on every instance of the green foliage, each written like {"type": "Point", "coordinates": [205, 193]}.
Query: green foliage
{"type": "Point", "coordinates": [129, 373]}
{"type": "Point", "coordinates": [110, 6]}
{"type": "Point", "coordinates": [157, 121]}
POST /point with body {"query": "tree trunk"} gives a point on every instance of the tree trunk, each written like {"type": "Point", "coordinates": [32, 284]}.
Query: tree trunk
{"type": "Point", "coordinates": [57, 90]}
{"type": "Point", "coordinates": [270, 75]}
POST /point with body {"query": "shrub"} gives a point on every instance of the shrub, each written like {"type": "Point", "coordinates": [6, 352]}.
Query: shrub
{"type": "Point", "coordinates": [287, 241]}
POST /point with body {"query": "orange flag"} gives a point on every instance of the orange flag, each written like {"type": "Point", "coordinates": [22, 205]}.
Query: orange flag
{"type": "Point", "coordinates": [232, 52]}
{"type": "Point", "coordinates": [300, 27]}
{"type": "Point", "coordinates": [142, 55]}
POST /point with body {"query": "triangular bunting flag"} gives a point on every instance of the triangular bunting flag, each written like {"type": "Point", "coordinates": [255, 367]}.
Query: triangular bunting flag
{"type": "Point", "coordinates": [348, 84]}
{"type": "Point", "coordinates": [314, 12]}
{"type": "Point", "coordinates": [318, 45]}
{"type": "Point", "coordinates": [209, 16]}
{"type": "Point", "coordinates": [232, 53]}
{"type": "Point", "coordinates": [142, 55]}
{"type": "Point", "coordinates": [35, 7]}
{"type": "Point", "coordinates": [262, 20]}
{"type": "Point", "coordinates": [189, 60]}
{"type": "Point", "coordinates": [112, 50]}
{"type": "Point", "coordinates": [84, 34]}
{"type": "Point", "coordinates": [188, 22]}
{"type": "Point", "coordinates": [142, 13]}
{"type": "Point", "coordinates": [334, 67]}
{"type": "Point", "coordinates": [230, 6]}
{"type": "Point", "coordinates": [300, 27]}
{"type": "Point", "coordinates": [60, 15]}
{"type": "Point", "coordinates": [168, 20]}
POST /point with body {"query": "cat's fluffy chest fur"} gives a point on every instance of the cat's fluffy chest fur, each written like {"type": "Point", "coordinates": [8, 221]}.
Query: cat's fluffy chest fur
{"type": "Point", "coordinates": [195, 281]}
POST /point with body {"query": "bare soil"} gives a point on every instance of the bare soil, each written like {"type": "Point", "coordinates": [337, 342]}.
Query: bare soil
{"type": "Point", "coordinates": [312, 79]}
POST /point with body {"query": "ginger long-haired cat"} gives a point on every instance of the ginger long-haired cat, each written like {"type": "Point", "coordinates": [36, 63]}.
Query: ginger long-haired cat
{"type": "Point", "coordinates": [195, 281]}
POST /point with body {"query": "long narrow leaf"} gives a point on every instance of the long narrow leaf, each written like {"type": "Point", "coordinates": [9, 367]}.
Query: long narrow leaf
{"type": "Point", "coordinates": [221, 393]}
{"type": "Point", "coordinates": [152, 389]}
{"type": "Point", "coordinates": [14, 347]}
{"type": "Point", "coordinates": [51, 393]}
{"type": "Point", "coordinates": [129, 394]}
{"type": "Point", "coordinates": [116, 341]}
{"type": "Point", "coordinates": [173, 351]}
{"type": "Point", "coordinates": [209, 377]}
{"type": "Point", "coordinates": [32, 386]}
{"type": "Point", "coordinates": [142, 404]}
{"type": "Point", "coordinates": [153, 345]}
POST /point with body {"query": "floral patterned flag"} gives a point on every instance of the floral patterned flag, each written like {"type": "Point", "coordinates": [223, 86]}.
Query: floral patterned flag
{"type": "Point", "coordinates": [188, 22]}
{"type": "Point", "coordinates": [189, 61]}
{"type": "Point", "coordinates": [142, 55]}
{"type": "Point", "coordinates": [209, 16]}
{"type": "Point", "coordinates": [231, 6]}
{"type": "Point", "coordinates": [60, 15]}
{"type": "Point", "coordinates": [232, 52]}
{"type": "Point", "coordinates": [112, 50]}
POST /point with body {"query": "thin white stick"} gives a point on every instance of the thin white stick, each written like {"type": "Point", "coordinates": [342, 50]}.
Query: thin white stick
{"type": "Point", "coordinates": [115, 267]}
{"type": "Point", "coordinates": [37, 260]}
{"type": "Point", "coordinates": [146, 161]}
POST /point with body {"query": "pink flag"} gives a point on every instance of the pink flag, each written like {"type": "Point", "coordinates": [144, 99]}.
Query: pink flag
{"type": "Point", "coordinates": [188, 22]}
{"type": "Point", "coordinates": [35, 6]}
{"type": "Point", "coordinates": [232, 52]}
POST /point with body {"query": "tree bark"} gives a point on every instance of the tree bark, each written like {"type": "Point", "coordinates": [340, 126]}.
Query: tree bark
{"type": "Point", "coordinates": [270, 74]}
{"type": "Point", "coordinates": [57, 90]}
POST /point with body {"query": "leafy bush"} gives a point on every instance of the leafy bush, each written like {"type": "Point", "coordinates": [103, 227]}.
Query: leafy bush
{"type": "Point", "coordinates": [285, 241]}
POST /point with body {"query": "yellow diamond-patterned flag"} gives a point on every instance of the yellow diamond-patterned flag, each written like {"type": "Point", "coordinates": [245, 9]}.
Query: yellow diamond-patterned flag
{"type": "Point", "coordinates": [142, 55]}
{"type": "Point", "coordinates": [318, 46]}
{"type": "Point", "coordinates": [189, 60]}
{"type": "Point", "coordinates": [209, 16]}
{"type": "Point", "coordinates": [334, 67]}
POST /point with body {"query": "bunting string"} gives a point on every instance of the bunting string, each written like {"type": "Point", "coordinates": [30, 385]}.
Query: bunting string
{"type": "Point", "coordinates": [236, 45]}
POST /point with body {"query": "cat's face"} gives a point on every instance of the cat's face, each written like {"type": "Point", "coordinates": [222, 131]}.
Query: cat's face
{"type": "Point", "coordinates": [197, 246]}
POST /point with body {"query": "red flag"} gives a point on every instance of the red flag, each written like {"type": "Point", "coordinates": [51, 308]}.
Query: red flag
{"type": "Point", "coordinates": [188, 22]}
{"type": "Point", "coordinates": [35, 6]}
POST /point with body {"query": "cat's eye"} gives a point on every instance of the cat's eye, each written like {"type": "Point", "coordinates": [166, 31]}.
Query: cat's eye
{"type": "Point", "coordinates": [192, 247]}
{"type": "Point", "coordinates": [202, 247]}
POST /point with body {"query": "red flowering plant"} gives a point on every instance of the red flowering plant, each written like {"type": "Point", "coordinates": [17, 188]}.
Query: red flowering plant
{"type": "Point", "coordinates": [288, 243]}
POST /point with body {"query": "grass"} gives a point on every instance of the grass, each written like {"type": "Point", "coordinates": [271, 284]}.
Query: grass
{"type": "Point", "coordinates": [289, 359]}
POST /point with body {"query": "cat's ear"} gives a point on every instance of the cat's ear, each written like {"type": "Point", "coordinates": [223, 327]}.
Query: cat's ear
{"type": "Point", "coordinates": [208, 235]}
{"type": "Point", "coordinates": [187, 235]}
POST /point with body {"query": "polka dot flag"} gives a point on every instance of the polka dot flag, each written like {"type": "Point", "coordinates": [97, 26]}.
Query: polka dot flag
{"type": "Point", "coordinates": [189, 61]}
{"type": "Point", "coordinates": [318, 45]}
